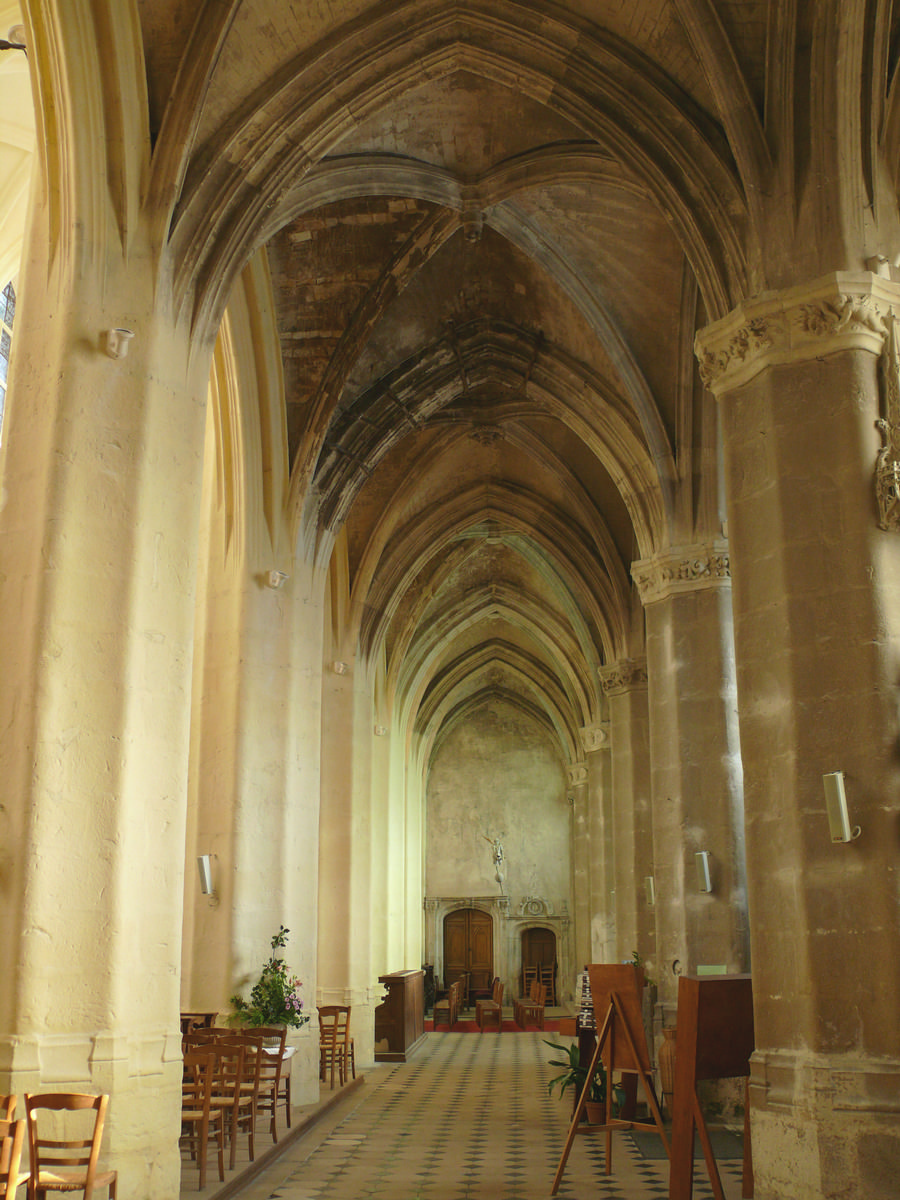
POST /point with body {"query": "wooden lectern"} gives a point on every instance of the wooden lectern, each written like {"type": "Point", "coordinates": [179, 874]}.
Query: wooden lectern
{"type": "Point", "coordinates": [616, 992]}
{"type": "Point", "coordinates": [713, 1040]}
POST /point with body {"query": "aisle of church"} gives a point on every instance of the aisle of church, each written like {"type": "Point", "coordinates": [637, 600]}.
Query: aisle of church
{"type": "Point", "coordinates": [469, 1118]}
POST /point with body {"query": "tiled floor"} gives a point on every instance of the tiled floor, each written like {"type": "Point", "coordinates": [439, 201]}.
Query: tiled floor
{"type": "Point", "coordinates": [469, 1118]}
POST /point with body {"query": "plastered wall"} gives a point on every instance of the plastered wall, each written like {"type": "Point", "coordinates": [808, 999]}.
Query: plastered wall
{"type": "Point", "coordinates": [497, 775]}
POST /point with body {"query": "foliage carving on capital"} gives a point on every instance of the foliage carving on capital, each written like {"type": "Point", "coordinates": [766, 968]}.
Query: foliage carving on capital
{"type": "Point", "coordinates": [839, 312]}
{"type": "Point", "coordinates": [628, 674]}
{"type": "Point", "coordinates": [887, 465]}
{"type": "Point", "coordinates": [846, 314]}
{"type": "Point", "coordinates": [759, 333]}
{"type": "Point", "coordinates": [682, 571]}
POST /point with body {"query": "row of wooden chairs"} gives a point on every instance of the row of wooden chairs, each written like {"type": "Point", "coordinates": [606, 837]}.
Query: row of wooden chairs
{"type": "Point", "coordinates": [545, 974]}
{"type": "Point", "coordinates": [490, 1012]}
{"type": "Point", "coordinates": [78, 1157]}
{"type": "Point", "coordinates": [230, 1078]}
{"type": "Point", "coordinates": [447, 1010]}
{"type": "Point", "coordinates": [529, 1010]}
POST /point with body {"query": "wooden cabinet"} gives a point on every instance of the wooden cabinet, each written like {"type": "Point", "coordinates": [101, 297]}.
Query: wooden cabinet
{"type": "Point", "coordinates": [400, 1018]}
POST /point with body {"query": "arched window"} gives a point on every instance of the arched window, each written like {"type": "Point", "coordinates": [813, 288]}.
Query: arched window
{"type": "Point", "coordinates": [7, 312]}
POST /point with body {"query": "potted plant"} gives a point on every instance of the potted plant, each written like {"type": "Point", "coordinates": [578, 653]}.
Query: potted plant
{"type": "Point", "coordinates": [275, 997]}
{"type": "Point", "coordinates": [574, 1075]}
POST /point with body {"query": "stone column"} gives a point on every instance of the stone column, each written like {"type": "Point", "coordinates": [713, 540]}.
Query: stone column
{"type": "Point", "coordinates": [696, 763]}
{"type": "Point", "coordinates": [601, 867]}
{"type": "Point", "coordinates": [100, 470]}
{"type": "Point", "coordinates": [577, 789]}
{"type": "Point", "coordinates": [813, 525]}
{"type": "Point", "coordinates": [352, 901]}
{"type": "Point", "coordinates": [625, 686]}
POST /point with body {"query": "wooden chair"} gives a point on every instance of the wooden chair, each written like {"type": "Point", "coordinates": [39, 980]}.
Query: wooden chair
{"type": "Point", "coordinates": [270, 1074]}
{"type": "Point", "coordinates": [490, 1012]}
{"type": "Point", "coordinates": [446, 1011]}
{"type": "Point", "coordinates": [198, 1116]}
{"type": "Point", "coordinates": [530, 975]}
{"type": "Point", "coordinates": [548, 979]}
{"type": "Point", "coordinates": [531, 995]}
{"type": "Point", "coordinates": [7, 1107]}
{"type": "Point", "coordinates": [335, 1043]}
{"type": "Point", "coordinates": [227, 1095]}
{"type": "Point", "coordinates": [464, 981]}
{"type": "Point", "coordinates": [12, 1139]}
{"type": "Point", "coordinates": [247, 1103]}
{"type": "Point", "coordinates": [78, 1156]}
{"type": "Point", "coordinates": [531, 1012]}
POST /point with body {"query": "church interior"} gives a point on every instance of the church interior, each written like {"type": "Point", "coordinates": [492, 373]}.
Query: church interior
{"type": "Point", "coordinates": [450, 463]}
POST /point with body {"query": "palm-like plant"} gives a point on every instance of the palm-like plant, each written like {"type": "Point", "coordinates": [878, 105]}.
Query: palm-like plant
{"type": "Point", "coordinates": [575, 1074]}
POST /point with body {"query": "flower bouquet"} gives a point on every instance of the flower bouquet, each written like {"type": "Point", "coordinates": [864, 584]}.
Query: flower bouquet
{"type": "Point", "coordinates": [275, 997]}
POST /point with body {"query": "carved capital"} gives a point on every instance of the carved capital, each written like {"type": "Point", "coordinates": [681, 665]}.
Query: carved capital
{"type": "Point", "coordinates": [684, 569]}
{"type": "Point", "coordinates": [576, 774]}
{"type": "Point", "coordinates": [629, 674]}
{"type": "Point", "coordinates": [595, 737]}
{"type": "Point", "coordinates": [887, 463]}
{"type": "Point", "coordinates": [849, 310]}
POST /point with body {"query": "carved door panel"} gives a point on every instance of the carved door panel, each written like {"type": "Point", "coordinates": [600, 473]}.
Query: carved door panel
{"type": "Point", "coordinates": [469, 946]}
{"type": "Point", "coordinates": [481, 950]}
{"type": "Point", "coordinates": [456, 942]}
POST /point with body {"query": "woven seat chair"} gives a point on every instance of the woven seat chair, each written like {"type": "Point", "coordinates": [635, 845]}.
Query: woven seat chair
{"type": "Point", "coordinates": [12, 1139]}
{"type": "Point", "coordinates": [335, 1044]}
{"type": "Point", "coordinates": [66, 1164]}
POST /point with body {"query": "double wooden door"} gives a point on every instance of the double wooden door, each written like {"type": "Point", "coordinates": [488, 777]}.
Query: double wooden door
{"type": "Point", "coordinates": [469, 946]}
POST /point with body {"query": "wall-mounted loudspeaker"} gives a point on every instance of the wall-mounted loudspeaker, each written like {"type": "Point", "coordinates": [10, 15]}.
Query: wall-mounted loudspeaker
{"type": "Point", "coordinates": [704, 882]}
{"type": "Point", "coordinates": [836, 806]}
{"type": "Point", "coordinates": [650, 890]}
{"type": "Point", "coordinates": [203, 866]}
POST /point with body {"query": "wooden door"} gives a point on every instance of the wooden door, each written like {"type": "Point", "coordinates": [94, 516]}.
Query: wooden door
{"type": "Point", "coordinates": [539, 958]}
{"type": "Point", "coordinates": [538, 948]}
{"type": "Point", "coordinates": [469, 946]}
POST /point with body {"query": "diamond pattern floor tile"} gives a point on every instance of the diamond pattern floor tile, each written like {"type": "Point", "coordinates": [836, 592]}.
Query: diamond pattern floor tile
{"type": "Point", "coordinates": [468, 1119]}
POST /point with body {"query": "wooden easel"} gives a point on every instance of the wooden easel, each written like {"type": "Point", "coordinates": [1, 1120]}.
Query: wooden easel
{"type": "Point", "coordinates": [621, 1044]}
{"type": "Point", "coordinates": [714, 1040]}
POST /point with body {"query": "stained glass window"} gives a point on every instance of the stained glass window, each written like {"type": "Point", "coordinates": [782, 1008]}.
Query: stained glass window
{"type": "Point", "coordinates": [7, 312]}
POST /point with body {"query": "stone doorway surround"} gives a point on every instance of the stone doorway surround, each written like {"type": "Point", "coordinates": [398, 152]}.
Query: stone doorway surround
{"type": "Point", "coordinates": [508, 926]}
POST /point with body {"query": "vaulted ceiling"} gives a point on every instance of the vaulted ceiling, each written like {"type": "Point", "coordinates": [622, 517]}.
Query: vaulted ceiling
{"type": "Point", "coordinates": [493, 229]}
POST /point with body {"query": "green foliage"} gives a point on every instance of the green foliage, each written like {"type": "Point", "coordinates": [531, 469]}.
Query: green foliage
{"type": "Point", "coordinates": [575, 1074]}
{"type": "Point", "coordinates": [637, 961]}
{"type": "Point", "coordinates": [275, 997]}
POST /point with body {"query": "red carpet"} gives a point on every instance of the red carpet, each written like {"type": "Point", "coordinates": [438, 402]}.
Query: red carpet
{"type": "Point", "coordinates": [550, 1026]}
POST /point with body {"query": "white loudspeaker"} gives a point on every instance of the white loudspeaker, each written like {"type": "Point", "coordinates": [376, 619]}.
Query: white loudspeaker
{"type": "Point", "coordinates": [117, 342]}
{"type": "Point", "coordinates": [650, 890]}
{"type": "Point", "coordinates": [836, 806]}
{"type": "Point", "coordinates": [704, 883]}
{"type": "Point", "coordinates": [206, 886]}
